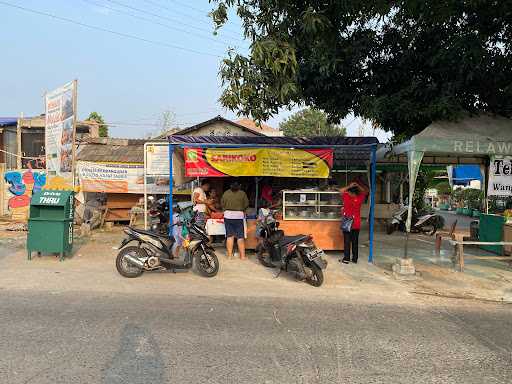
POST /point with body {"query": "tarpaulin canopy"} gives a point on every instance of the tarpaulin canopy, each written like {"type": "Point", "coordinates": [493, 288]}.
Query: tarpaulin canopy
{"type": "Point", "coordinates": [483, 135]}
{"type": "Point", "coordinates": [323, 141]}
{"type": "Point", "coordinates": [470, 138]}
{"type": "Point", "coordinates": [8, 121]}
{"type": "Point", "coordinates": [463, 174]}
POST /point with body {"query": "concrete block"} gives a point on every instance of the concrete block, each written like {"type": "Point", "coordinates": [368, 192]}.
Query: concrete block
{"type": "Point", "coordinates": [404, 269]}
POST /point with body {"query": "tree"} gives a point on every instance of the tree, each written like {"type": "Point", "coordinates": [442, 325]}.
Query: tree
{"type": "Point", "coordinates": [103, 128]}
{"type": "Point", "coordinates": [401, 64]}
{"type": "Point", "coordinates": [310, 122]}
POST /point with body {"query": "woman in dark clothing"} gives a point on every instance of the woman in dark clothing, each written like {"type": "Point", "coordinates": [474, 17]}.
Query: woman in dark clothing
{"type": "Point", "coordinates": [353, 196]}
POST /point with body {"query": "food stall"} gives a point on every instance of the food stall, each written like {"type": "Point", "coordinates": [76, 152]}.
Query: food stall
{"type": "Point", "coordinates": [300, 169]}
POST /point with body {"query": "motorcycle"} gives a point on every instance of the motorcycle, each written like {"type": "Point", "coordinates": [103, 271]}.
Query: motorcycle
{"type": "Point", "coordinates": [295, 254]}
{"type": "Point", "coordinates": [426, 224]}
{"type": "Point", "coordinates": [159, 215]}
{"type": "Point", "coordinates": [156, 251]}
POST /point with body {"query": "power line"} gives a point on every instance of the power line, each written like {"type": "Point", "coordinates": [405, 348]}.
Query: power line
{"type": "Point", "coordinates": [126, 35]}
{"type": "Point", "coordinates": [162, 17]}
{"type": "Point", "coordinates": [193, 8]}
{"type": "Point", "coordinates": [153, 21]}
{"type": "Point", "coordinates": [158, 5]}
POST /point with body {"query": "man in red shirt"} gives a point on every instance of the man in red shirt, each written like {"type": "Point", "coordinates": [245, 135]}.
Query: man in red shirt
{"type": "Point", "coordinates": [353, 196]}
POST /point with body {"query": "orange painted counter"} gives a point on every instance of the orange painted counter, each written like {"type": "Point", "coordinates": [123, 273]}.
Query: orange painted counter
{"type": "Point", "coordinates": [326, 234]}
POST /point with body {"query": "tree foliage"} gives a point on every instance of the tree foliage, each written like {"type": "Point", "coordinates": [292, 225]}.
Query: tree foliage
{"type": "Point", "coordinates": [401, 64]}
{"type": "Point", "coordinates": [103, 128]}
{"type": "Point", "coordinates": [310, 122]}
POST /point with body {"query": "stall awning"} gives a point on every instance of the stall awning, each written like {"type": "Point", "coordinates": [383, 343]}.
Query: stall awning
{"type": "Point", "coordinates": [472, 136]}
{"type": "Point", "coordinates": [265, 141]}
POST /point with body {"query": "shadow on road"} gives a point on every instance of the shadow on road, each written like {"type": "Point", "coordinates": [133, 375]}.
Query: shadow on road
{"type": "Point", "coordinates": [138, 359]}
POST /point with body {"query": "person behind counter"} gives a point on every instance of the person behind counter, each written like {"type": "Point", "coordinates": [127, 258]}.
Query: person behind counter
{"type": "Point", "coordinates": [200, 202]}
{"type": "Point", "coordinates": [235, 203]}
{"type": "Point", "coordinates": [353, 196]}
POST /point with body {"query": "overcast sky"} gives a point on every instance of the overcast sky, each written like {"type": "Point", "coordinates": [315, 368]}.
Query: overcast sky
{"type": "Point", "coordinates": [134, 59]}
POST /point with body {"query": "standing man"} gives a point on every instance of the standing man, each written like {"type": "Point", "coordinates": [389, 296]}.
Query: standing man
{"type": "Point", "coordinates": [353, 196]}
{"type": "Point", "coordinates": [200, 202]}
{"type": "Point", "coordinates": [235, 203]}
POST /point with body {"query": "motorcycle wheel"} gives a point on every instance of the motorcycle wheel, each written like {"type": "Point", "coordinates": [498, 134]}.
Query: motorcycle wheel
{"type": "Point", "coordinates": [432, 231]}
{"type": "Point", "coordinates": [207, 263]}
{"type": "Point", "coordinates": [391, 228]}
{"type": "Point", "coordinates": [264, 257]}
{"type": "Point", "coordinates": [124, 267]}
{"type": "Point", "coordinates": [317, 278]}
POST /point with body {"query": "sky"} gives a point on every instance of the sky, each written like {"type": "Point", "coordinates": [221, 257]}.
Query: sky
{"type": "Point", "coordinates": [133, 59]}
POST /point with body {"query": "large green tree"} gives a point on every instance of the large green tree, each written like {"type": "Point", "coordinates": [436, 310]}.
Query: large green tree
{"type": "Point", "coordinates": [401, 64]}
{"type": "Point", "coordinates": [310, 122]}
{"type": "Point", "coordinates": [103, 128]}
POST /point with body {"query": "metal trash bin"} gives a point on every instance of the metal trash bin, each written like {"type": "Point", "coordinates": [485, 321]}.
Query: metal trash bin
{"type": "Point", "coordinates": [473, 230]}
{"type": "Point", "coordinates": [50, 224]}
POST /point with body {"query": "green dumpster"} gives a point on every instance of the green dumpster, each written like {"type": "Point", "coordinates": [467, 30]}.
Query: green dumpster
{"type": "Point", "coordinates": [491, 230]}
{"type": "Point", "coordinates": [50, 224]}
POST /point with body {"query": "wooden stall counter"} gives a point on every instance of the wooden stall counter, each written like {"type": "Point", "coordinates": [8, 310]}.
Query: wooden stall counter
{"type": "Point", "coordinates": [326, 234]}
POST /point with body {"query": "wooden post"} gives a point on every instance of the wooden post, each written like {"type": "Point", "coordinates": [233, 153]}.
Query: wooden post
{"type": "Point", "coordinates": [18, 141]}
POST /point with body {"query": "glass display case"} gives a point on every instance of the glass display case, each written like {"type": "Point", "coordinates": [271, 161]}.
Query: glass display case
{"type": "Point", "coordinates": [311, 205]}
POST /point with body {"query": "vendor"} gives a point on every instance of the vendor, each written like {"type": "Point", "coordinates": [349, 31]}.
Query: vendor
{"type": "Point", "coordinates": [235, 203]}
{"type": "Point", "coordinates": [200, 202]}
{"type": "Point", "coordinates": [213, 204]}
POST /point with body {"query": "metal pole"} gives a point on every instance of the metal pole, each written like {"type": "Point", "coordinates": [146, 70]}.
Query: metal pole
{"type": "Point", "coordinates": [372, 200]}
{"type": "Point", "coordinates": [171, 152]}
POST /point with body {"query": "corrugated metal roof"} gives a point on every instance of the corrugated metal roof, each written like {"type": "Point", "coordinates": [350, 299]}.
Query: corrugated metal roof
{"type": "Point", "coordinates": [106, 149]}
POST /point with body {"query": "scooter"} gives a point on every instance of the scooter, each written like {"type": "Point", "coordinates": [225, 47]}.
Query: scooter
{"type": "Point", "coordinates": [295, 254]}
{"type": "Point", "coordinates": [426, 224]}
{"type": "Point", "coordinates": [156, 251]}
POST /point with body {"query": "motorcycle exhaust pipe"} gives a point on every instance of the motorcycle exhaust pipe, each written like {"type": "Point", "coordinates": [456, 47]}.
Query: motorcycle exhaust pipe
{"type": "Point", "coordinates": [133, 260]}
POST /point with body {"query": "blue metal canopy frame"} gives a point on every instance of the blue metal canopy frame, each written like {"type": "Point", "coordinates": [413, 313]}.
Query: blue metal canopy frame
{"type": "Point", "coordinates": [351, 144]}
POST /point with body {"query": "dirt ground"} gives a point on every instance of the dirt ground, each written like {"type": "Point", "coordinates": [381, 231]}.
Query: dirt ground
{"type": "Point", "coordinates": [92, 265]}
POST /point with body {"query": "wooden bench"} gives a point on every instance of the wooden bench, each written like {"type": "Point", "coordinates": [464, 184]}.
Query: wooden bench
{"type": "Point", "coordinates": [453, 236]}
{"type": "Point", "coordinates": [459, 248]}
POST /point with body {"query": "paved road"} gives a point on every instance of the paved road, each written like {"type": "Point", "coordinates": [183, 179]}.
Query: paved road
{"type": "Point", "coordinates": [105, 338]}
{"type": "Point", "coordinates": [463, 222]}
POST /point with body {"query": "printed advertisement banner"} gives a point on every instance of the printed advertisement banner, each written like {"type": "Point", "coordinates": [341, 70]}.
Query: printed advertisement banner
{"type": "Point", "coordinates": [300, 163]}
{"type": "Point", "coordinates": [118, 178]}
{"type": "Point", "coordinates": [500, 176]}
{"type": "Point", "coordinates": [60, 135]}
{"type": "Point", "coordinates": [157, 159]}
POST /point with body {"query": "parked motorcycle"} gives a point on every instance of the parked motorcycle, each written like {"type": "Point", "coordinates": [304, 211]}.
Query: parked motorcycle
{"type": "Point", "coordinates": [159, 215]}
{"type": "Point", "coordinates": [426, 224]}
{"type": "Point", "coordinates": [156, 251]}
{"type": "Point", "coordinates": [295, 254]}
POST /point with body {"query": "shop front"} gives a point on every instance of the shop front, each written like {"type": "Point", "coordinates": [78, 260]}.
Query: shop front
{"type": "Point", "coordinates": [293, 176]}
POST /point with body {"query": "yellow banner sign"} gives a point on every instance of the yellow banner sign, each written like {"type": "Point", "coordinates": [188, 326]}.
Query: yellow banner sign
{"type": "Point", "coordinates": [300, 163]}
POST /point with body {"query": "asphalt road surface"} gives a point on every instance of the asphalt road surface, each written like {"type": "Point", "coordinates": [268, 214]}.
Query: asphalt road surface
{"type": "Point", "coordinates": [84, 338]}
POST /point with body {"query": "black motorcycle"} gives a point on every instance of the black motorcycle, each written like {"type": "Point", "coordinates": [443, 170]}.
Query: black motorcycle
{"type": "Point", "coordinates": [427, 224]}
{"type": "Point", "coordinates": [156, 251]}
{"type": "Point", "coordinates": [295, 254]}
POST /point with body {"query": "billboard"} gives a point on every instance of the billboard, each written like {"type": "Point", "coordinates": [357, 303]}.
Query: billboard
{"type": "Point", "coordinates": [60, 108]}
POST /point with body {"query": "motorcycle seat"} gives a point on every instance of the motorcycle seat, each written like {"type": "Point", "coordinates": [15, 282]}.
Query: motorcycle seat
{"type": "Point", "coordinates": [291, 239]}
{"type": "Point", "coordinates": [149, 233]}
